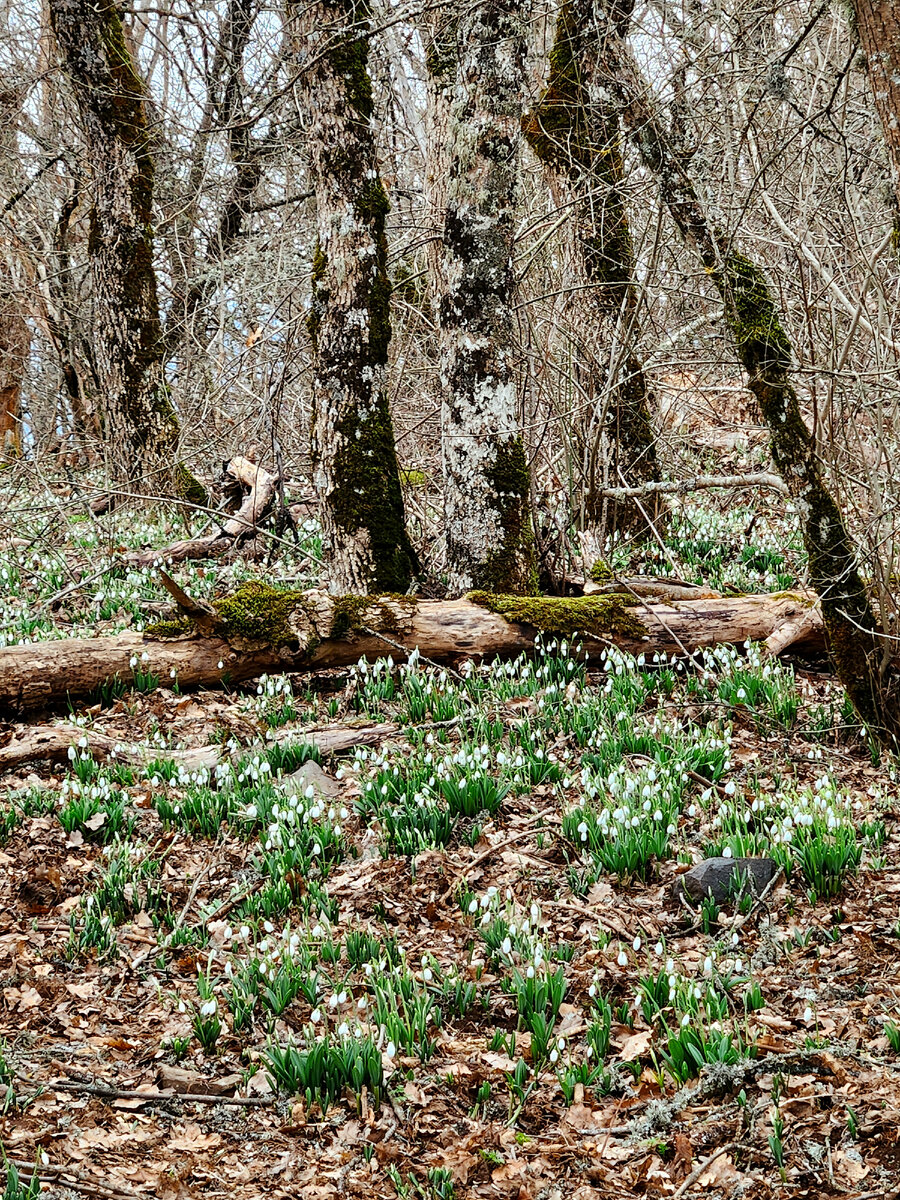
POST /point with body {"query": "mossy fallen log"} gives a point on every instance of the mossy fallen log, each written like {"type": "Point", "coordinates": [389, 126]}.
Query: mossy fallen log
{"type": "Point", "coordinates": [259, 629]}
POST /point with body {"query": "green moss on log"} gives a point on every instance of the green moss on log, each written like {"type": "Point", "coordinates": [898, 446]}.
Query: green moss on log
{"type": "Point", "coordinates": [177, 627]}
{"type": "Point", "coordinates": [384, 614]}
{"type": "Point", "coordinates": [601, 616]}
{"type": "Point", "coordinates": [256, 612]}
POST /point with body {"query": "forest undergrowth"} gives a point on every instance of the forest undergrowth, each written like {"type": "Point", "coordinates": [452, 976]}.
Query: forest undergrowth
{"type": "Point", "coordinates": [454, 962]}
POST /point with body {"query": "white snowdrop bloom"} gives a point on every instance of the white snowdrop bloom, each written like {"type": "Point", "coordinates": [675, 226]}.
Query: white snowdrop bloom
{"type": "Point", "coordinates": [343, 1029]}
{"type": "Point", "coordinates": [473, 906]}
{"type": "Point", "coordinates": [268, 927]}
{"type": "Point", "coordinates": [530, 972]}
{"type": "Point", "coordinates": [506, 945]}
{"type": "Point", "coordinates": [390, 1051]}
{"type": "Point", "coordinates": [592, 990]}
{"type": "Point", "coordinates": [263, 969]}
{"type": "Point", "coordinates": [636, 943]}
{"type": "Point", "coordinates": [807, 1014]}
{"type": "Point", "coordinates": [362, 1004]}
{"type": "Point", "coordinates": [658, 949]}
{"type": "Point", "coordinates": [622, 959]}
{"type": "Point", "coordinates": [738, 965]}
{"type": "Point", "coordinates": [727, 852]}
{"type": "Point", "coordinates": [670, 965]}
{"type": "Point", "coordinates": [332, 1001]}
{"type": "Point", "coordinates": [734, 938]}
{"type": "Point", "coordinates": [685, 1021]}
{"type": "Point", "coordinates": [554, 1056]}
{"type": "Point", "coordinates": [318, 931]}
{"type": "Point", "coordinates": [707, 966]}
{"type": "Point", "coordinates": [315, 1016]}
{"type": "Point", "coordinates": [207, 1009]}
{"type": "Point", "coordinates": [71, 753]}
{"type": "Point", "coordinates": [181, 1006]}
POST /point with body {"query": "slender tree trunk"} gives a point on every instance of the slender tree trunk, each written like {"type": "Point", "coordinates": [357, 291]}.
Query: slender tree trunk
{"type": "Point", "coordinates": [354, 458]}
{"type": "Point", "coordinates": [440, 31]}
{"type": "Point", "coordinates": [490, 542]}
{"type": "Point", "coordinates": [574, 131]}
{"type": "Point", "coordinates": [765, 351]}
{"type": "Point", "coordinates": [878, 25]}
{"type": "Point", "coordinates": [14, 343]}
{"type": "Point", "coordinates": [140, 426]}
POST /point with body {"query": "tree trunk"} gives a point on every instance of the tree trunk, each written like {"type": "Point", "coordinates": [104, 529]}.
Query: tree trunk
{"type": "Point", "coordinates": [574, 131]}
{"type": "Point", "coordinates": [140, 427]}
{"type": "Point", "coordinates": [440, 30]}
{"type": "Point", "coordinates": [490, 541]}
{"type": "Point", "coordinates": [878, 25]}
{"type": "Point", "coordinates": [14, 343]}
{"type": "Point", "coordinates": [765, 352]}
{"type": "Point", "coordinates": [258, 629]}
{"type": "Point", "coordinates": [354, 457]}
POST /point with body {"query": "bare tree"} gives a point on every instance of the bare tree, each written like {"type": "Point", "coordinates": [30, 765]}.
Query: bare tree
{"type": "Point", "coordinates": [487, 514]}
{"type": "Point", "coordinates": [140, 425]}
{"type": "Point", "coordinates": [574, 131]}
{"type": "Point", "coordinates": [354, 458]}
{"type": "Point", "coordinates": [878, 25]}
{"type": "Point", "coordinates": [764, 349]}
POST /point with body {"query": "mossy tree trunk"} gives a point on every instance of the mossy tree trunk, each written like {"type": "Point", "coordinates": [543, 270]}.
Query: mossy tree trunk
{"type": "Point", "coordinates": [765, 352]}
{"type": "Point", "coordinates": [878, 27]}
{"type": "Point", "coordinates": [574, 131]}
{"type": "Point", "coordinates": [487, 514]}
{"type": "Point", "coordinates": [354, 457]}
{"type": "Point", "coordinates": [140, 427]}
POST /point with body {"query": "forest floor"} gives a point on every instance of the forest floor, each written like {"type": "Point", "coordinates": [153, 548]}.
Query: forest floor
{"type": "Point", "coordinates": [453, 962]}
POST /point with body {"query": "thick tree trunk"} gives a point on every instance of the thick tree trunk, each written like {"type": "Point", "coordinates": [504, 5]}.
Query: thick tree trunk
{"type": "Point", "coordinates": [354, 457]}
{"type": "Point", "coordinates": [490, 541]}
{"type": "Point", "coordinates": [140, 426]}
{"type": "Point", "coordinates": [878, 25]}
{"type": "Point", "coordinates": [258, 630]}
{"type": "Point", "coordinates": [574, 131]}
{"type": "Point", "coordinates": [764, 350]}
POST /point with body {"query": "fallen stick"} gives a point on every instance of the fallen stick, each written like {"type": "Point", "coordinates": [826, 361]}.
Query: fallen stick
{"type": "Point", "coordinates": [106, 1092]}
{"type": "Point", "coordinates": [51, 743]}
{"type": "Point", "coordinates": [259, 630]}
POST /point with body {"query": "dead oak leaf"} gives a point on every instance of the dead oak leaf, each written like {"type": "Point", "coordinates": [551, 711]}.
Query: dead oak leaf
{"type": "Point", "coordinates": [192, 1139]}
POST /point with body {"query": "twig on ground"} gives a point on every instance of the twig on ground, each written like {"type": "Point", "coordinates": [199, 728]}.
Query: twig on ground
{"type": "Point", "coordinates": [107, 1092]}
{"type": "Point", "coordinates": [698, 1170]}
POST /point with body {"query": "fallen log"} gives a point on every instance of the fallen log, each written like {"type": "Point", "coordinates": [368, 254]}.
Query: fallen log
{"type": "Point", "coordinates": [51, 744]}
{"type": "Point", "coordinates": [259, 629]}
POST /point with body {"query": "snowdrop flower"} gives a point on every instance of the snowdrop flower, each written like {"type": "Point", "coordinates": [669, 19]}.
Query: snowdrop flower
{"type": "Point", "coordinates": [207, 1009]}
{"type": "Point", "coordinates": [554, 1056]}
{"type": "Point", "coordinates": [707, 966]}
{"type": "Point", "coordinates": [658, 949]}
{"type": "Point", "coordinates": [390, 1051]}
{"type": "Point", "coordinates": [506, 946]}
{"type": "Point", "coordinates": [315, 1016]}
{"type": "Point", "coordinates": [636, 943]}
{"type": "Point", "coordinates": [807, 1013]}
{"type": "Point", "coordinates": [622, 959]}
{"type": "Point", "coordinates": [727, 852]}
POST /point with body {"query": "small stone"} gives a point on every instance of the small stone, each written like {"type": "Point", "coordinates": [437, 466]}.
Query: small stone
{"type": "Point", "coordinates": [311, 775]}
{"type": "Point", "coordinates": [715, 874]}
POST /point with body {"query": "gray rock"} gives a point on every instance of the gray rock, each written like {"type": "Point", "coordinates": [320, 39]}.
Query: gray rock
{"type": "Point", "coordinates": [311, 774]}
{"type": "Point", "coordinates": [714, 875]}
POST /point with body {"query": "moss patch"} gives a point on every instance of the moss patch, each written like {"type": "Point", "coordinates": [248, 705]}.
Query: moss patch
{"type": "Point", "coordinates": [256, 612]}
{"type": "Point", "coordinates": [602, 616]}
{"type": "Point", "coordinates": [511, 567]}
{"type": "Point", "coordinates": [354, 614]}
{"type": "Point", "coordinates": [177, 627]}
{"type": "Point", "coordinates": [602, 572]}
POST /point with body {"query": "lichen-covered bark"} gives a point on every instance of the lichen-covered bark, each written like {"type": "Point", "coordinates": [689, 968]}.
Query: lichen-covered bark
{"type": "Point", "coordinates": [878, 26]}
{"type": "Point", "coordinates": [140, 427]}
{"type": "Point", "coordinates": [764, 349]}
{"type": "Point", "coordinates": [490, 542]}
{"type": "Point", "coordinates": [440, 31]}
{"type": "Point", "coordinates": [574, 131]}
{"type": "Point", "coordinates": [354, 458]}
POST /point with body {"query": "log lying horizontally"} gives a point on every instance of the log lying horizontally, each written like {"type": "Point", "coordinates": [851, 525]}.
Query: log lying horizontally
{"type": "Point", "coordinates": [258, 630]}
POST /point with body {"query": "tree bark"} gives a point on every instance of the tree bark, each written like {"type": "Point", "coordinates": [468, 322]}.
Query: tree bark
{"type": "Point", "coordinates": [878, 25]}
{"type": "Point", "coordinates": [14, 343]}
{"type": "Point", "coordinates": [490, 541]}
{"type": "Point", "coordinates": [765, 351]}
{"type": "Point", "coordinates": [258, 630]}
{"type": "Point", "coordinates": [574, 131]}
{"type": "Point", "coordinates": [354, 457]}
{"type": "Point", "coordinates": [140, 426]}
